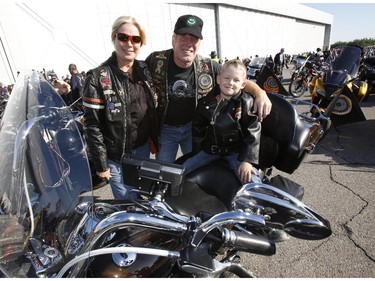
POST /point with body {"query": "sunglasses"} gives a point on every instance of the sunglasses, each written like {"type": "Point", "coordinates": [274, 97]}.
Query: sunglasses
{"type": "Point", "coordinates": [123, 37]}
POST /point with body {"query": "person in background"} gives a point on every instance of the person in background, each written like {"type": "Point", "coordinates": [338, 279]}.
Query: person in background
{"type": "Point", "coordinates": [214, 57]}
{"type": "Point", "coordinates": [279, 62]}
{"type": "Point", "coordinates": [10, 88]}
{"type": "Point", "coordinates": [319, 56]}
{"type": "Point", "coordinates": [270, 63]}
{"type": "Point", "coordinates": [3, 88]}
{"type": "Point", "coordinates": [76, 83]}
{"type": "Point", "coordinates": [119, 106]}
{"type": "Point", "coordinates": [225, 127]}
{"type": "Point", "coordinates": [182, 77]}
{"type": "Point", "coordinates": [61, 87]}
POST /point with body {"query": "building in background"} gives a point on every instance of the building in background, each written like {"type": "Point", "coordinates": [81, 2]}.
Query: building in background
{"type": "Point", "coordinates": [40, 34]}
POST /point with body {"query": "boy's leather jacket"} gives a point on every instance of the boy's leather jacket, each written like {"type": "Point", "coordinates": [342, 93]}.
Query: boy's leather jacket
{"type": "Point", "coordinates": [227, 126]}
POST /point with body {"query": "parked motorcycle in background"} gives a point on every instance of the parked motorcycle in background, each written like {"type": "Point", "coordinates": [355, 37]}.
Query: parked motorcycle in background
{"type": "Point", "coordinates": [341, 81]}
{"type": "Point", "coordinates": [301, 77]}
{"type": "Point", "coordinates": [184, 226]}
{"type": "Point", "coordinates": [297, 61]}
{"type": "Point", "coordinates": [254, 67]}
{"type": "Point", "coordinates": [367, 73]}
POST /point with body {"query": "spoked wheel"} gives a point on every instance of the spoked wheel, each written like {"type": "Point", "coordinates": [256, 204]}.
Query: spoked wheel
{"type": "Point", "coordinates": [297, 87]}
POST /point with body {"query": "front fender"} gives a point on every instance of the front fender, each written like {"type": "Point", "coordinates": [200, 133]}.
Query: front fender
{"type": "Point", "coordinates": [362, 91]}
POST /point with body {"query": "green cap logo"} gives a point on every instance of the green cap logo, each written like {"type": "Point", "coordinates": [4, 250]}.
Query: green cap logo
{"type": "Point", "coordinates": [191, 21]}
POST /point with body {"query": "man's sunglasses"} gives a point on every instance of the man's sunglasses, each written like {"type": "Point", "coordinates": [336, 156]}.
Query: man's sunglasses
{"type": "Point", "coordinates": [123, 37]}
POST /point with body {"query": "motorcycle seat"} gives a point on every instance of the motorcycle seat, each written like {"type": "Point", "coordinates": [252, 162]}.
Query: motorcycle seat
{"type": "Point", "coordinates": [283, 139]}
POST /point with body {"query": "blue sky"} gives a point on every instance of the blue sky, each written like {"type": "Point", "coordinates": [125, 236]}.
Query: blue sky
{"type": "Point", "coordinates": [351, 20]}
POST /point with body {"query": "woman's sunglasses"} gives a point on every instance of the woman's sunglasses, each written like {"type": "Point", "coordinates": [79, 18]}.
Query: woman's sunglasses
{"type": "Point", "coordinates": [123, 37]}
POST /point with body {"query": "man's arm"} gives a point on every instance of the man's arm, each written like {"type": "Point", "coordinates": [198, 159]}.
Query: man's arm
{"type": "Point", "coordinates": [262, 104]}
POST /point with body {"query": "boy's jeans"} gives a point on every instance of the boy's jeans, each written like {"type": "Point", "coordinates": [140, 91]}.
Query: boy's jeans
{"type": "Point", "coordinates": [203, 158]}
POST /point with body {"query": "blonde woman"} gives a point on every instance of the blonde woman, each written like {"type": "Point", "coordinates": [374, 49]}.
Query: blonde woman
{"type": "Point", "coordinates": [119, 106]}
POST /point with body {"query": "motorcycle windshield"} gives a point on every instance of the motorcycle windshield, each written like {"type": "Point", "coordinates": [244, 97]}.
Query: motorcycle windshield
{"type": "Point", "coordinates": [344, 63]}
{"type": "Point", "coordinates": [44, 167]}
{"type": "Point", "coordinates": [257, 62]}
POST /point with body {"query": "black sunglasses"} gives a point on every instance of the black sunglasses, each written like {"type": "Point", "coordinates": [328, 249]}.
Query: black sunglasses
{"type": "Point", "coordinates": [123, 37]}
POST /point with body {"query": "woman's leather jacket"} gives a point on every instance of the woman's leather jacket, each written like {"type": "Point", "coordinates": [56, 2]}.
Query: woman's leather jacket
{"type": "Point", "coordinates": [107, 111]}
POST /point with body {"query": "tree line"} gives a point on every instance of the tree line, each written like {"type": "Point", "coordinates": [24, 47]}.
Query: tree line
{"type": "Point", "coordinates": [361, 42]}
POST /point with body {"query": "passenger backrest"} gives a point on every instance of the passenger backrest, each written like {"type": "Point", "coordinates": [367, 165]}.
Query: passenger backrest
{"type": "Point", "coordinates": [283, 137]}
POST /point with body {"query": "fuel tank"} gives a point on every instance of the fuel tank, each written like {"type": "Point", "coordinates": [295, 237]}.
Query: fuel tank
{"type": "Point", "coordinates": [136, 265]}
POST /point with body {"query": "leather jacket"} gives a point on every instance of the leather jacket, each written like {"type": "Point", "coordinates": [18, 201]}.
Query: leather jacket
{"type": "Point", "coordinates": [106, 101]}
{"type": "Point", "coordinates": [227, 126]}
{"type": "Point", "coordinates": [205, 71]}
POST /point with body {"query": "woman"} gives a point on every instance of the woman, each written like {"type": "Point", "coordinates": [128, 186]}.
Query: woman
{"type": "Point", "coordinates": [119, 105]}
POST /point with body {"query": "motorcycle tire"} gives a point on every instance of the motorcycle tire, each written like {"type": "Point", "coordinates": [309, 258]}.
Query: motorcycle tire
{"type": "Point", "coordinates": [297, 87]}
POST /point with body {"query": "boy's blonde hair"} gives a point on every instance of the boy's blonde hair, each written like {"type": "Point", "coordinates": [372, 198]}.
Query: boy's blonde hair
{"type": "Point", "coordinates": [237, 64]}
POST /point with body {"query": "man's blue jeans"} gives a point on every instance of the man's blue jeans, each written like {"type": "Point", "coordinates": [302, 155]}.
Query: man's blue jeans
{"type": "Point", "coordinates": [172, 137]}
{"type": "Point", "coordinates": [203, 158]}
{"type": "Point", "coordinates": [119, 189]}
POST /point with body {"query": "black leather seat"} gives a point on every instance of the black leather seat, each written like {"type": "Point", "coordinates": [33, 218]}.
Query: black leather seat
{"type": "Point", "coordinates": [283, 139]}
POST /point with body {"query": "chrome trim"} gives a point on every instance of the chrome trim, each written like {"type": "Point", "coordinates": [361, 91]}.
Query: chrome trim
{"type": "Point", "coordinates": [222, 219]}
{"type": "Point", "coordinates": [286, 211]}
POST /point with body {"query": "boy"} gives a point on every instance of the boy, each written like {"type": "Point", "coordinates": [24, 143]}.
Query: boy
{"type": "Point", "coordinates": [225, 127]}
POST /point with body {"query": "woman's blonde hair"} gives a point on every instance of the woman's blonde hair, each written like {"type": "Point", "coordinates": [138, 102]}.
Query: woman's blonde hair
{"type": "Point", "coordinates": [126, 19]}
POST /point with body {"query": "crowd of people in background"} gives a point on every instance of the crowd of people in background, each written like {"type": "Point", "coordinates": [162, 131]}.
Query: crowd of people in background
{"type": "Point", "coordinates": [273, 61]}
{"type": "Point", "coordinates": [67, 86]}
{"type": "Point", "coordinates": [63, 84]}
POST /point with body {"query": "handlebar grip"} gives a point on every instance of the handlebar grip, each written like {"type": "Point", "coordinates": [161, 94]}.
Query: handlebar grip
{"type": "Point", "coordinates": [251, 243]}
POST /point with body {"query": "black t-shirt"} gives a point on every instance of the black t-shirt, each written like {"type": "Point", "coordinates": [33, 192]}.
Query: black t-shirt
{"type": "Point", "coordinates": [140, 124]}
{"type": "Point", "coordinates": [181, 95]}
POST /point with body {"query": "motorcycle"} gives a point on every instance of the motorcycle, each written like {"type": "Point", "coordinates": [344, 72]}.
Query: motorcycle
{"type": "Point", "coordinates": [3, 102]}
{"type": "Point", "coordinates": [254, 67]}
{"type": "Point", "coordinates": [341, 80]}
{"type": "Point", "coordinates": [297, 61]}
{"type": "Point", "coordinates": [367, 73]}
{"type": "Point", "coordinates": [302, 76]}
{"type": "Point", "coordinates": [53, 226]}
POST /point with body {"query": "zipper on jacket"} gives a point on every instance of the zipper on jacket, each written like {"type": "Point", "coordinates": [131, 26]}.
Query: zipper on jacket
{"type": "Point", "coordinates": [216, 113]}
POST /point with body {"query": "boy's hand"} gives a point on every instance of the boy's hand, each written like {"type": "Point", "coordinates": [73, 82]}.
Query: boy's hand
{"type": "Point", "coordinates": [245, 170]}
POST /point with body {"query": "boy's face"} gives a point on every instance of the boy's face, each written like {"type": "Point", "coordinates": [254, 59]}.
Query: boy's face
{"type": "Point", "coordinates": [231, 81]}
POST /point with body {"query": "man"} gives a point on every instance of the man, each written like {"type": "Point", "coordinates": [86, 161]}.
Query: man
{"type": "Point", "coordinates": [61, 87]}
{"type": "Point", "coordinates": [76, 83]}
{"type": "Point", "coordinates": [181, 77]}
{"type": "Point", "coordinates": [279, 62]}
{"type": "Point", "coordinates": [214, 57]}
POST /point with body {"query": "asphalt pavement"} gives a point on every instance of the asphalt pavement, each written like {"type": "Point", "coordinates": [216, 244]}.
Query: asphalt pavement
{"type": "Point", "coordinates": [339, 181]}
